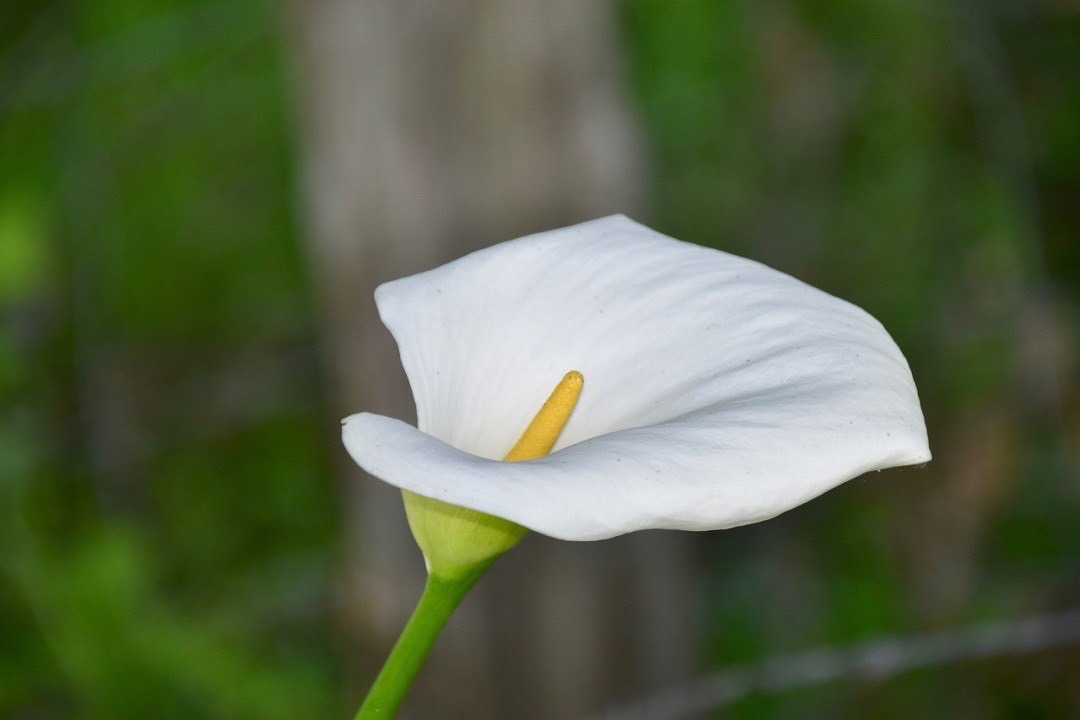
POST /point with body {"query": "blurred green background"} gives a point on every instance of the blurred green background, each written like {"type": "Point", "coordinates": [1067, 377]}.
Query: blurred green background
{"type": "Point", "coordinates": [171, 526]}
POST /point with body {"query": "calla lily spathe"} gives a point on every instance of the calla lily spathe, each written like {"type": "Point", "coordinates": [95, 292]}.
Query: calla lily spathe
{"type": "Point", "coordinates": [718, 392]}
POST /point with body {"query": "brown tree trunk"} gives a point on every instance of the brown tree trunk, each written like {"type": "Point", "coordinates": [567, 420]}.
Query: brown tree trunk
{"type": "Point", "coordinates": [430, 129]}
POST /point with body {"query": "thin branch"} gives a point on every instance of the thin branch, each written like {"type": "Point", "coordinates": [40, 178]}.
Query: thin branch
{"type": "Point", "coordinates": [876, 660]}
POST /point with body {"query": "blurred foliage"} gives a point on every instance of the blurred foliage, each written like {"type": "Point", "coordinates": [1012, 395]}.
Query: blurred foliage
{"type": "Point", "coordinates": [169, 522]}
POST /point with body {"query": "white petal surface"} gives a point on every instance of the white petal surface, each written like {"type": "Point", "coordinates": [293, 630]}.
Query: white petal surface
{"type": "Point", "coordinates": [718, 392]}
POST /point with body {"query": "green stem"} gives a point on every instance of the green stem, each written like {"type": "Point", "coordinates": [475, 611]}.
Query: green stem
{"type": "Point", "coordinates": [440, 598]}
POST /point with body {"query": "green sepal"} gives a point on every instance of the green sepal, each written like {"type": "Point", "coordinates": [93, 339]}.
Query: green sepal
{"type": "Point", "coordinates": [456, 540]}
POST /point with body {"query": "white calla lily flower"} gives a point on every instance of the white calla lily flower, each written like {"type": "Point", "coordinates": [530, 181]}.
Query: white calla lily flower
{"type": "Point", "coordinates": [717, 391]}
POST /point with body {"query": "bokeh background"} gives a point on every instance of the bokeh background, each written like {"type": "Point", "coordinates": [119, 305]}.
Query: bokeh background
{"type": "Point", "coordinates": [198, 196]}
